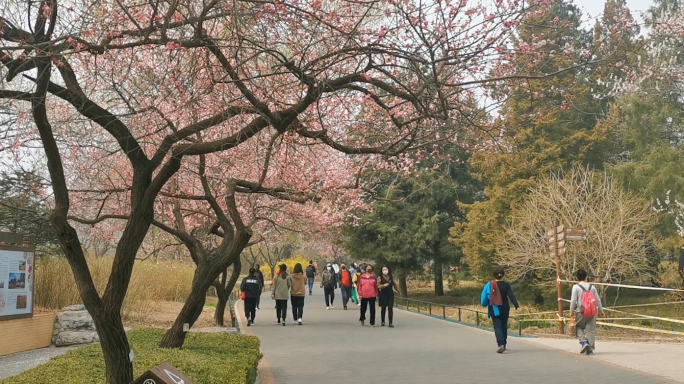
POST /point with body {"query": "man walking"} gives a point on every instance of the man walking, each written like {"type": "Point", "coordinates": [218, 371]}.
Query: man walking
{"type": "Point", "coordinates": [310, 275]}
{"type": "Point", "coordinates": [260, 276]}
{"type": "Point", "coordinates": [251, 287]}
{"type": "Point", "coordinates": [585, 303]}
{"type": "Point", "coordinates": [345, 279]}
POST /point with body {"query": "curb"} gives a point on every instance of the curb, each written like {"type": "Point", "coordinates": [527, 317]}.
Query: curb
{"type": "Point", "coordinates": [264, 373]}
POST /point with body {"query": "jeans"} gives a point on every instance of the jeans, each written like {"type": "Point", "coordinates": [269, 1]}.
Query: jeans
{"type": "Point", "coordinates": [329, 295]}
{"type": "Point", "coordinates": [250, 308]}
{"type": "Point", "coordinates": [281, 309]}
{"type": "Point", "coordinates": [501, 328]}
{"type": "Point", "coordinates": [365, 303]}
{"type": "Point", "coordinates": [346, 295]}
{"type": "Point", "coordinates": [297, 307]}
{"type": "Point", "coordinates": [586, 330]}
{"type": "Point", "coordinates": [310, 284]}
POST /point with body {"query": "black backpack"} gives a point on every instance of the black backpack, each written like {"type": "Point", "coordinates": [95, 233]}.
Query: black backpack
{"type": "Point", "coordinates": [310, 271]}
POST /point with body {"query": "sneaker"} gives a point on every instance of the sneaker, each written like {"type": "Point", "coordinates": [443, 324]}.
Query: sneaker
{"type": "Point", "coordinates": [589, 352]}
{"type": "Point", "coordinates": [362, 322]}
{"type": "Point", "coordinates": [328, 308]}
{"type": "Point", "coordinates": [585, 347]}
{"type": "Point", "coordinates": [249, 323]}
{"type": "Point", "coordinates": [382, 325]}
{"type": "Point", "coordinates": [331, 306]}
{"type": "Point", "coordinates": [501, 349]}
{"type": "Point", "coordinates": [294, 322]}
{"type": "Point", "coordinates": [299, 321]}
{"type": "Point", "coordinates": [391, 326]}
{"type": "Point", "coordinates": [372, 325]}
{"type": "Point", "coordinates": [283, 323]}
{"type": "Point", "coordinates": [310, 293]}
{"type": "Point", "coordinates": [278, 321]}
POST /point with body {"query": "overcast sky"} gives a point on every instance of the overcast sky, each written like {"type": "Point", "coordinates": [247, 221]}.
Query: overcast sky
{"type": "Point", "coordinates": [593, 8]}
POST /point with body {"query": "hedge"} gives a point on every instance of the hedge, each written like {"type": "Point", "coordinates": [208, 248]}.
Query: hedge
{"type": "Point", "coordinates": [205, 358]}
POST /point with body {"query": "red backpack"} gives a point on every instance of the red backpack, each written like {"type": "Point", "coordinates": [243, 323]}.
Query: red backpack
{"type": "Point", "coordinates": [588, 305]}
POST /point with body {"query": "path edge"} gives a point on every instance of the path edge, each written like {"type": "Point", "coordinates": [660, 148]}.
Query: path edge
{"type": "Point", "coordinates": [264, 373]}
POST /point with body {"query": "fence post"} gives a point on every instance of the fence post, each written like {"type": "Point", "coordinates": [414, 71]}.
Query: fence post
{"type": "Point", "coordinates": [519, 327]}
{"type": "Point", "coordinates": [430, 308]}
{"type": "Point", "coordinates": [444, 311]}
{"type": "Point", "coordinates": [459, 313]}
{"type": "Point", "coordinates": [418, 306]}
{"type": "Point", "coordinates": [477, 315]}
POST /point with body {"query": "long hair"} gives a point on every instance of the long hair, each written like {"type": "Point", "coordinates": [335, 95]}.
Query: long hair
{"type": "Point", "coordinates": [283, 271]}
{"type": "Point", "coordinates": [298, 268]}
{"type": "Point", "coordinates": [385, 278]}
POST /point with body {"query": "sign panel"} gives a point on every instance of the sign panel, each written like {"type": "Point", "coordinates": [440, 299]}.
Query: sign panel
{"type": "Point", "coordinates": [560, 228]}
{"type": "Point", "coordinates": [164, 373]}
{"type": "Point", "coordinates": [560, 244]}
{"type": "Point", "coordinates": [16, 284]}
{"type": "Point", "coordinates": [576, 238]}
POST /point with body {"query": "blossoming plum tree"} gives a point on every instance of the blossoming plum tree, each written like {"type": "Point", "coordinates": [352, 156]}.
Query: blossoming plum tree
{"type": "Point", "coordinates": [125, 98]}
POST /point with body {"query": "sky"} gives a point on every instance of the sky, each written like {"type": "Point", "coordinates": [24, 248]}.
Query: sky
{"type": "Point", "coordinates": [593, 8]}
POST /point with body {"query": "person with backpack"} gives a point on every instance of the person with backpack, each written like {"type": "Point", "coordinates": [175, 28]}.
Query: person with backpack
{"type": "Point", "coordinates": [585, 303]}
{"type": "Point", "coordinates": [329, 284]}
{"type": "Point", "coordinates": [497, 296]}
{"type": "Point", "coordinates": [310, 275]}
{"type": "Point", "coordinates": [280, 292]}
{"type": "Point", "coordinates": [345, 279]}
{"type": "Point", "coordinates": [251, 286]}
{"type": "Point", "coordinates": [297, 293]}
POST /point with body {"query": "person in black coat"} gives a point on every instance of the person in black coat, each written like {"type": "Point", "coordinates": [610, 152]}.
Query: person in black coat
{"type": "Point", "coordinates": [259, 275]}
{"type": "Point", "coordinates": [251, 286]}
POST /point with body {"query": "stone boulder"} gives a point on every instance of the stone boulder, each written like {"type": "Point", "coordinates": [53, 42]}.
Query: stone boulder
{"type": "Point", "coordinates": [74, 326]}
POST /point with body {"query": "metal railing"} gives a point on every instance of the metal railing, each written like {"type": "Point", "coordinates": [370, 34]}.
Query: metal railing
{"type": "Point", "coordinates": [451, 312]}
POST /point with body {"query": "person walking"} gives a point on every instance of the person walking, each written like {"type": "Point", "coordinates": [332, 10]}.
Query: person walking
{"type": "Point", "coordinates": [345, 284]}
{"type": "Point", "coordinates": [310, 275]}
{"type": "Point", "coordinates": [355, 282]}
{"type": "Point", "coordinates": [497, 296]}
{"type": "Point", "coordinates": [297, 293]}
{"type": "Point", "coordinates": [280, 292]}
{"type": "Point", "coordinates": [259, 275]}
{"type": "Point", "coordinates": [367, 289]}
{"type": "Point", "coordinates": [251, 286]}
{"type": "Point", "coordinates": [585, 303]}
{"type": "Point", "coordinates": [387, 285]}
{"type": "Point", "coordinates": [329, 283]}
{"type": "Point", "coordinates": [352, 273]}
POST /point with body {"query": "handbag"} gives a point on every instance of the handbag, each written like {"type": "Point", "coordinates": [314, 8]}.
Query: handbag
{"type": "Point", "coordinates": [242, 295]}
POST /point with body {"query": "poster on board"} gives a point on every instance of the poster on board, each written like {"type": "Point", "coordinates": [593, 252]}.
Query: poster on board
{"type": "Point", "coordinates": [16, 283]}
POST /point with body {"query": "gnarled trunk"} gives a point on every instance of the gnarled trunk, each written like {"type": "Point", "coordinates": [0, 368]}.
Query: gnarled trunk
{"type": "Point", "coordinates": [115, 348]}
{"type": "Point", "coordinates": [223, 290]}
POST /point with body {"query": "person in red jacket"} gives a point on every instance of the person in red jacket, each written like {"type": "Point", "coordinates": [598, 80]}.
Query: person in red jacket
{"type": "Point", "coordinates": [367, 288]}
{"type": "Point", "coordinates": [345, 278]}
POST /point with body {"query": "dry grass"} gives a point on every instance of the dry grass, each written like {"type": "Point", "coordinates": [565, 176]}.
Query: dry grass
{"type": "Point", "coordinates": [162, 314]}
{"type": "Point", "coordinates": [152, 282]}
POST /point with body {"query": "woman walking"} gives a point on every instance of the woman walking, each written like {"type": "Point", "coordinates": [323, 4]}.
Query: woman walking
{"type": "Point", "coordinates": [297, 293]}
{"type": "Point", "coordinates": [387, 286]}
{"type": "Point", "coordinates": [495, 296]}
{"type": "Point", "coordinates": [355, 281]}
{"type": "Point", "coordinates": [368, 291]}
{"type": "Point", "coordinates": [251, 286]}
{"type": "Point", "coordinates": [329, 283]}
{"type": "Point", "coordinates": [280, 292]}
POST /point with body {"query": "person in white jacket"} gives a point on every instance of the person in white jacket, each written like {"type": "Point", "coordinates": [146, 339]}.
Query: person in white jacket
{"type": "Point", "coordinates": [586, 325]}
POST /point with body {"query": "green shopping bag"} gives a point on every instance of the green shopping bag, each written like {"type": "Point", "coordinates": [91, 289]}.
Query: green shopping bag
{"type": "Point", "coordinates": [354, 295]}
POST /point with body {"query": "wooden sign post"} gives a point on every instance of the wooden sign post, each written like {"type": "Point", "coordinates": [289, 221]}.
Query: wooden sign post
{"type": "Point", "coordinates": [558, 237]}
{"type": "Point", "coordinates": [164, 373]}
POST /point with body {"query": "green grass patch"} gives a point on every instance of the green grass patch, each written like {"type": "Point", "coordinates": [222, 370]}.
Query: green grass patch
{"type": "Point", "coordinates": [205, 359]}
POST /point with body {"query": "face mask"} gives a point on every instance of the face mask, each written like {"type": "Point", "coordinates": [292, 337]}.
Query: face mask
{"type": "Point", "coordinates": [385, 272]}
{"type": "Point", "coordinates": [369, 271]}
{"type": "Point", "coordinates": [344, 267]}
{"type": "Point", "coordinates": [329, 268]}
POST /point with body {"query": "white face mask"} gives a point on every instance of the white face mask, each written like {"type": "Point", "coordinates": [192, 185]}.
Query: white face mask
{"type": "Point", "coordinates": [385, 272]}
{"type": "Point", "coordinates": [329, 268]}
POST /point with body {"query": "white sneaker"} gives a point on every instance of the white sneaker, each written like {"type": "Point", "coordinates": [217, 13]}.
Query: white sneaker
{"type": "Point", "coordinates": [299, 321]}
{"type": "Point", "coordinates": [328, 308]}
{"type": "Point", "coordinates": [332, 307]}
{"type": "Point", "coordinates": [294, 322]}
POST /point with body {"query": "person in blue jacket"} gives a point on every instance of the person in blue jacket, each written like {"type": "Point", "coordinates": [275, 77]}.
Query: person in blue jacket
{"type": "Point", "coordinates": [497, 296]}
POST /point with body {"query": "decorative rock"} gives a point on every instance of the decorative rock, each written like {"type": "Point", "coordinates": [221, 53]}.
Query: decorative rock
{"type": "Point", "coordinates": [71, 308]}
{"type": "Point", "coordinates": [67, 338]}
{"type": "Point", "coordinates": [76, 320]}
{"type": "Point", "coordinates": [231, 331]}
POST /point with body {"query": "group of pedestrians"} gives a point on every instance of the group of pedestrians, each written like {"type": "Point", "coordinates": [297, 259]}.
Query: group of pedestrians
{"type": "Point", "coordinates": [585, 306]}
{"type": "Point", "coordinates": [358, 284]}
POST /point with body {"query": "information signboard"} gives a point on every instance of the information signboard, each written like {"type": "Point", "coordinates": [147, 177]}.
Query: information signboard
{"type": "Point", "coordinates": [17, 258]}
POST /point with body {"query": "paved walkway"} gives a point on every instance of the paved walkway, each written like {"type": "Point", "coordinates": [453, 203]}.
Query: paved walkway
{"type": "Point", "coordinates": [17, 363]}
{"type": "Point", "coordinates": [331, 347]}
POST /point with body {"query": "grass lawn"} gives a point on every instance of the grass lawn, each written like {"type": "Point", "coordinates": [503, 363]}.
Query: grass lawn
{"type": "Point", "coordinates": [205, 359]}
